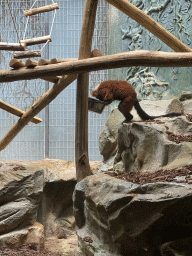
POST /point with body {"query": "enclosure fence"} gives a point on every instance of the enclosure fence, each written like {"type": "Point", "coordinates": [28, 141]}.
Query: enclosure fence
{"type": "Point", "coordinates": [55, 136]}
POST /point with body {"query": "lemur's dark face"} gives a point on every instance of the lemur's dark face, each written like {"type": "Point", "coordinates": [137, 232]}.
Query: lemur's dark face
{"type": "Point", "coordinates": [97, 94]}
{"type": "Point", "coordinates": [100, 97]}
{"type": "Point", "coordinates": [101, 92]}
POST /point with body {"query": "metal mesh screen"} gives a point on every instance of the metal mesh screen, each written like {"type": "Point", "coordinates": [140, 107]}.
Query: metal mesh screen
{"type": "Point", "coordinates": [56, 134]}
{"type": "Point", "coordinates": [62, 109]}
{"type": "Point", "coordinates": [100, 41]}
{"type": "Point", "coordinates": [29, 144]}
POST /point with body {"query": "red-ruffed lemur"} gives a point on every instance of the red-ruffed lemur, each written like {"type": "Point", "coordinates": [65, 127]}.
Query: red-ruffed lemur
{"type": "Point", "coordinates": [111, 90]}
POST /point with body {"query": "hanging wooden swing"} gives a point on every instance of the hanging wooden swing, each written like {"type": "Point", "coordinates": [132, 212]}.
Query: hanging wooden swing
{"type": "Point", "coordinates": [37, 40]}
{"type": "Point", "coordinates": [21, 46]}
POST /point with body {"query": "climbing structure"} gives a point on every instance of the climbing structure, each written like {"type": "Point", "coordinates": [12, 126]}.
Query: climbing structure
{"type": "Point", "coordinates": [21, 51]}
{"type": "Point", "coordinates": [72, 69]}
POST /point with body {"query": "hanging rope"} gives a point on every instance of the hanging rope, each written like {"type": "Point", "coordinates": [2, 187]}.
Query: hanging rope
{"type": "Point", "coordinates": [52, 23]}
{"type": "Point", "coordinates": [40, 39]}
{"type": "Point", "coordinates": [50, 30]}
{"type": "Point", "coordinates": [45, 44]}
{"type": "Point", "coordinates": [13, 21]}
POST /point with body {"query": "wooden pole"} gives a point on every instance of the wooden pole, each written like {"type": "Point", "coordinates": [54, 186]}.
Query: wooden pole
{"type": "Point", "coordinates": [13, 46]}
{"type": "Point", "coordinates": [46, 8]}
{"type": "Point", "coordinates": [43, 101]}
{"type": "Point", "coordinates": [17, 112]}
{"type": "Point", "coordinates": [94, 53]}
{"type": "Point", "coordinates": [37, 40]}
{"type": "Point", "coordinates": [27, 54]}
{"type": "Point", "coordinates": [119, 60]}
{"type": "Point", "coordinates": [52, 79]}
{"type": "Point", "coordinates": [55, 61]}
{"type": "Point", "coordinates": [81, 129]}
{"type": "Point", "coordinates": [150, 24]}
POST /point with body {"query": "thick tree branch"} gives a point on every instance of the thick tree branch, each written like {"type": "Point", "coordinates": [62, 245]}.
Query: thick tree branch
{"type": "Point", "coordinates": [150, 24]}
{"type": "Point", "coordinates": [128, 59]}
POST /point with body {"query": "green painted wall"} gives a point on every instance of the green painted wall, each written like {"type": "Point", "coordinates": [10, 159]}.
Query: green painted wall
{"type": "Point", "coordinates": [128, 35]}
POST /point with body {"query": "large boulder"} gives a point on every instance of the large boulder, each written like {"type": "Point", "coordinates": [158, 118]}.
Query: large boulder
{"type": "Point", "coordinates": [36, 203]}
{"type": "Point", "coordinates": [32, 236]}
{"type": "Point", "coordinates": [21, 190]}
{"type": "Point", "coordinates": [108, 137]}
{"type": "Point", "coordinates": [116, 217]}
{"type": "Point", "coordinates": [149, 146]}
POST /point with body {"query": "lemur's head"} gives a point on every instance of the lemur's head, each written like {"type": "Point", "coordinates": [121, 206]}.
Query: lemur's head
{"type": "Point", "coordinates": [94, 93]}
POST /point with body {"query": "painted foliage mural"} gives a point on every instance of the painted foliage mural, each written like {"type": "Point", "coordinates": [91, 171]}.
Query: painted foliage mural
{"type": "Point", "coordinates": [128, 35]}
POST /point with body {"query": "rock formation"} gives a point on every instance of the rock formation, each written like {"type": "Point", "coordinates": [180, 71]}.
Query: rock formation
{"type": "Point", "coordinates": [140, 201]}
{"type": "Point", "coordinates": [36, 205]}
{"type": "Point", "coordinates": [116, 217]}
{"type": "Point", "coordinates": [149, 146]}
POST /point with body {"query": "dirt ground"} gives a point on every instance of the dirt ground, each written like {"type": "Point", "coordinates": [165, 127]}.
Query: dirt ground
{"type": "Point", "coordinates": [25, 251]}
{"type": "Point", "coordinates": [53, 247]}
{"type": "Point", "coordinates": [158, 176]}
{"type": "Point", "coordinates": [171, 136]}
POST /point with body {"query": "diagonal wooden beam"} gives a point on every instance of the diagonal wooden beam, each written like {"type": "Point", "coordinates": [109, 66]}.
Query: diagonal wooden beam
{"type": "Point", "coordinates": [81, 129]}
{"type": "Point", "coordinates": [41, 103]}
{"type": "Point", "coordinates": [17, 112]}
{"type": "Point", "coordinates": [150, 24]}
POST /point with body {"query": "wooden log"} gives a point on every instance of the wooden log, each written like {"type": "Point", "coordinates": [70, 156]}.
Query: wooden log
{"type": "Point", "coordinates": [12, 46]}
{"type": "Point", "coordinates": [41, 103]}
{"type": "Point", "coordinates": [46, 8]}
{"type": "Point", "coordinates": [31, 63]}
{"type": "Point", "coordinates": [37, 40]}
{"type": "Point", "coordinates": [17, 111]}
{"type": "Point", "coordinates": [129, 59]}
{"type": "Point", "coordinates": [150, 24]}
{"type": "Point", "coordinates": [15, 63]}
{"type": "Point", "coordinates": [96, 53]}
{"type": "Point", "coordinates": [42, 62]}
{"type": "Point", "coordinates": [52, 79]}
{"type": "Point", "coordinates": [27, 54]}
{"type": "Point", "coordinates": [81, 128]}
{"type": "Point", "coordinates": [55, 61]}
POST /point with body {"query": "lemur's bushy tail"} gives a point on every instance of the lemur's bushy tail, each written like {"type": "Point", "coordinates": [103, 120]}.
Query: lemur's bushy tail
{"type": "Point", "coordinates": [144, 116]}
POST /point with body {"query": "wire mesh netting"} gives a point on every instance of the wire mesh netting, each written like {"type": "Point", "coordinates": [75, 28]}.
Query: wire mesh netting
{"type": "Point", "coordinates": [56, 134]}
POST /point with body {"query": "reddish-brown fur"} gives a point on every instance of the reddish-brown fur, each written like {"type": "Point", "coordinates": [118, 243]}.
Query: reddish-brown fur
{"type": "Point", "coordinates": [117, 90]}
{"type": "Point", "coordinates": [122, 90]}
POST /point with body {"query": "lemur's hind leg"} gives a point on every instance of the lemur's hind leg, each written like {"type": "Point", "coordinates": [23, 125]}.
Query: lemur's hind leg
{"type": "Point", "coordinates": [129, 117]}
{"type": "Point", "coordinates": [125, 106]}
